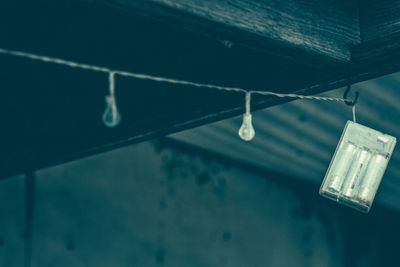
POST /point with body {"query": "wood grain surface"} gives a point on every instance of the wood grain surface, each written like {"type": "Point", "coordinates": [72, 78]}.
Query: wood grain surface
{"type": "Point", "coordinates": [319, 27]}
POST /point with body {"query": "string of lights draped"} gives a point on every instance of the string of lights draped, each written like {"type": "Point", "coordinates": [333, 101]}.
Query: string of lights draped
{"type": "Point", "coordinates": [356, 169]}
{"type": "Point", "coordinates": [112, 116]}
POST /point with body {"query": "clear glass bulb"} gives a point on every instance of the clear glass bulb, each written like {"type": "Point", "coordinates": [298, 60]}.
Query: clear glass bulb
{"type": "Point", "coordinates": [111, 116]}
{"type": "Point", "coordinates": [246, 131]}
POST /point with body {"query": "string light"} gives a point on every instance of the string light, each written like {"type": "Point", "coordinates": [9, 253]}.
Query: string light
{"type": "Point", "coordinates": [246, 131]}
{"type": "Point", "coordinates": [111, 116]}
{"type": "Point", "coordinates": [355, 171]}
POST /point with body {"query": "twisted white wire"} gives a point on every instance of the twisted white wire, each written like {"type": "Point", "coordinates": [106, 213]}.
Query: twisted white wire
{"type": "Point", "coordinates": [73, 64]}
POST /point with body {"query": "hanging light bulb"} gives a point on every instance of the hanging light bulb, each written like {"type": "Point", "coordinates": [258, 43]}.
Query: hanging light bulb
{"type": "Point", "coordinates": [246, 131]}
{"type": "Point", "coordinates": [111, 116]}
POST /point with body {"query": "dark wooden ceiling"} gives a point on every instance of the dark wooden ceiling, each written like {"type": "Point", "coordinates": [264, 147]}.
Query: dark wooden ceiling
{"type": "Point", "coordinates": [52, 114]}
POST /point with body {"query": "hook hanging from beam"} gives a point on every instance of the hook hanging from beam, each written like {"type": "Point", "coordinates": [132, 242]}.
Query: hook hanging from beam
{"type": "Point", "coordinates": [347, 101]}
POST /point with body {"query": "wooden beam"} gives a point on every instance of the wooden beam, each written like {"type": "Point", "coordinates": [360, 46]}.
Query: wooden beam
{"type": "Point", "coordinates": [379, 19]}
{"type": "Point", "coordinates": [53, 114]}
{"type": "Point", "coordinates": [320, 28]}
{"type": "Point", "coordinates": [379, 51]}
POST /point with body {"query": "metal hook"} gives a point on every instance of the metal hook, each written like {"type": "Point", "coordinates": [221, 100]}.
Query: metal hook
{"type": "Point", "coordinates": [350, 102]}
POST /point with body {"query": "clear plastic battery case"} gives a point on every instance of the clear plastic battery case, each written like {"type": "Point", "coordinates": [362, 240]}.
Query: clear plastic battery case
{"type": "Point", "coordinates": [357, 167]}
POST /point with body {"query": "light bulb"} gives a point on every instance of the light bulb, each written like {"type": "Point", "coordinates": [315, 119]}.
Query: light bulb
{"type": "Point", "coordinates": [111, 116]}
{"type": "Point", "coordinates": [246, 131]}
